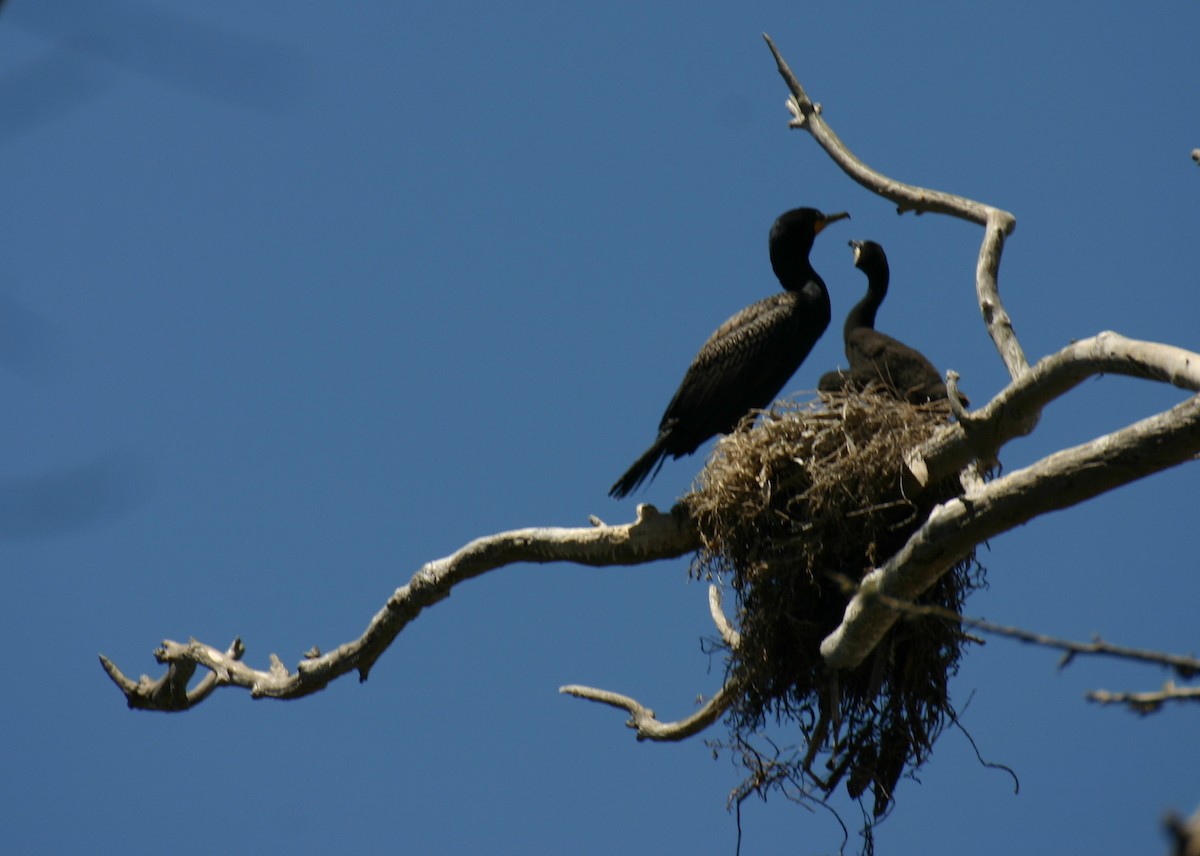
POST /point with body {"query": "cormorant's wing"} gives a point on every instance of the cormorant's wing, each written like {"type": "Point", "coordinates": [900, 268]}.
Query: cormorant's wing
{"type": "Point", "coordinates": [742, 366]}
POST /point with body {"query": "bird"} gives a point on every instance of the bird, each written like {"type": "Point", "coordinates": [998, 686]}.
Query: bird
{"type": "Point", "coordinates": [746, 362]}
{"type": "Point", "coordinates": [876, 357]}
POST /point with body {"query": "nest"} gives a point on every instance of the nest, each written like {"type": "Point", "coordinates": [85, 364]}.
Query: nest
{"type": "Point", "coordinates": [793, 511]}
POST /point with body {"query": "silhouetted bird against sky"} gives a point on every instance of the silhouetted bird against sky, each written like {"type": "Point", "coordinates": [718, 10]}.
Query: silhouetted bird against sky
{"type": "Point", "coordinates": [877, 357]}
{"type": "Point", "coordinates": [746, 362]}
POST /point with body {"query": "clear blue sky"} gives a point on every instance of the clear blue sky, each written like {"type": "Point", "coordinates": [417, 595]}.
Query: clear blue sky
{"type": "Point", "coordinates": [295, 297]}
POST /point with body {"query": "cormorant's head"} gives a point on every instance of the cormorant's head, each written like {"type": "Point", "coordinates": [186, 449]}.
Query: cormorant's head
{"type": "Point", "coordinates": [793, 234]}
{"type": "Point", "coordinates": [869, 258]}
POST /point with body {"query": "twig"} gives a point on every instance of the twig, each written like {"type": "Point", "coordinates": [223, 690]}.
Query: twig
{"type": "Point", "coordinates": [1184, 666]}
{"type": "Point", "coordinates": [642, 718]}
{"type": "Point", "coordinates": [1150, 702]}
{"type": "Point", "coordinates": [724, 626]}
{"type": "Point", "coordinates": [954, 397]}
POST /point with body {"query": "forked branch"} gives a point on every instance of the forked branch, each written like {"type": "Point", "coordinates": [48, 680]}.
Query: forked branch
{"type": "Point", "coordinates": [1015, 411]}
{"type": "Point", "coordinates": [652, 536]}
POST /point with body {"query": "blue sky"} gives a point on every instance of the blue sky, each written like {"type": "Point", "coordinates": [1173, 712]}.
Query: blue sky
{"type": "Point", "coordinates": [294, 298]}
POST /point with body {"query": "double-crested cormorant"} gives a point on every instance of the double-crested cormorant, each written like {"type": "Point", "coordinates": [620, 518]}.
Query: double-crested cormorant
{"type": "Point", "coordinates": [745, 363]}
{"type": "Point", "coordinates": [877, 357]}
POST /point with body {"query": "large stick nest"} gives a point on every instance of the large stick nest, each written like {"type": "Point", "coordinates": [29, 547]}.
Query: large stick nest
{"type": "Point", "coordinates": [792, 512]}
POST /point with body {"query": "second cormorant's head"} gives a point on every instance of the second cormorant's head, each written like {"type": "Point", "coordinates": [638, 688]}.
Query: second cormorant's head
{"type": "Point", "coordinates": [869, 258]}
{"type": "Point", "coordinates": [792, 238]}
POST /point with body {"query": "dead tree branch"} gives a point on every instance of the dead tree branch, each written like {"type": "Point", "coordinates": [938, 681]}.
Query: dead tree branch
{"type": "Point", "coordinates": [729, 633]}
{"type": "Point", "coordinates": [1184, 666]}
{"type": "Point", "coordinates": [652, 536]}
{"type": "Point", "coordinates": [642, 719]}
{"type": "Point", "coordinates": [1015, 411]}
{"type": "Point", "coordinates": [1150, 702]}
{"type": "Point", "coordinates": [170, 692]}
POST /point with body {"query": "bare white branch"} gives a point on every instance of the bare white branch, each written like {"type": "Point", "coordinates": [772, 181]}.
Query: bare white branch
{"type": "Point", "coordinates": [1185, 666]}
{"type": "Point", "coordinates": [1148, 702]}
{"type": "Point", "coordinates": [170, 692]}
{"type": "Point", "coordinates": [652, 536]}
{"type": "Point", "coordinates": [724, 626]}
{"type": "Point", "coordinates": [642, 719]}
{"type": "Point", "coordinates": [1015, 411]}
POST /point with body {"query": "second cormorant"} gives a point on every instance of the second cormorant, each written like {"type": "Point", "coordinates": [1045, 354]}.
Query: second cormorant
{"type": "Point", "coordinates": [876, 357]}
{"type": "Point", "coordinates": [749, 358]}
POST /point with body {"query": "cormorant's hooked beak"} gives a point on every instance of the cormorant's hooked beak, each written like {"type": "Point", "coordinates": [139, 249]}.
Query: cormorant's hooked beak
{"type": "Point", "coordinates": [826, 219]}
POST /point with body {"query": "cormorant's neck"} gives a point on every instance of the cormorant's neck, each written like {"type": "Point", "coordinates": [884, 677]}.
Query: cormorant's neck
{"type": "Point", "coordinates": [795, 273]}
{"type": "Point", "coordinates": [863, 313]}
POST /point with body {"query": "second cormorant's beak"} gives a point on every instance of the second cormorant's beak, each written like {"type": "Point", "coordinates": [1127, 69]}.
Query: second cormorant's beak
{"type": "Point", "coordinates": [826, 219]}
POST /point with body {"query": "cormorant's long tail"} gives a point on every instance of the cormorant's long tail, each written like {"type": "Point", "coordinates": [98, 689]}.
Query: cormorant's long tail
{"type": "Point", "coordinates": [645, 467]}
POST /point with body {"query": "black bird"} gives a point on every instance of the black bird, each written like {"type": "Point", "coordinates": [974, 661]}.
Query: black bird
{"type": "Point", "coordinates": [745, 363]}
{"type": "Point", "coordinates": [877, 357]}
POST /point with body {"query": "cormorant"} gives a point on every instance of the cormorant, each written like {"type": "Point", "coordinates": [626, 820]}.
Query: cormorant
{"type": "Point", "coordinates": [749, 358]}
{"type": "Point", "coordinates": [876, 356]}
